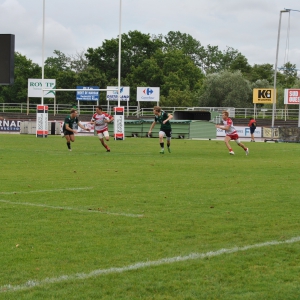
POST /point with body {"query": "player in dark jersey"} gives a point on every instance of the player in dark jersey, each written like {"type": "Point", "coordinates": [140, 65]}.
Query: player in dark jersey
{"type": "Point", "coordinates": [70, 126]}
{"type": "Point", "coordinates": [163, 118]}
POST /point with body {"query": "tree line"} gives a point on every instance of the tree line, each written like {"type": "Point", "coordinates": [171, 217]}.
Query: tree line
{"type": "Point", "coordinates": [188, 73]}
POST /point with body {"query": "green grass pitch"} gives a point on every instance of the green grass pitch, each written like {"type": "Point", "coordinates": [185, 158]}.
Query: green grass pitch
{"type": "Point", "coordinates": [135, 224]}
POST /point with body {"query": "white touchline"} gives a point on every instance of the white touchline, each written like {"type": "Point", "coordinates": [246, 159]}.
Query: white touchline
{"type": "Point", "coordinates": [46, 191]}
{"type": "Point", "coordinates": [80, 276]}
{"type": "Point", "coordinates": [72, 208]}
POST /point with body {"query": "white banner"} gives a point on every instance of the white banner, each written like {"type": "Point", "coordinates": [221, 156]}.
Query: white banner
{"type": "Point", "coordinates": [291, 96]}
{"type": "Point", "coordinates": [35, 88]}
{"type": "Point", "coordinates": [42, 121]}
{"type": "Point", "coordinates": [119, 129]}
{"type": "Point", "coordinates": [113, 95]}
{"type": "Point", "coordinates": [148, 94]}
{"type": "Point", "coordinates": [242, 132]}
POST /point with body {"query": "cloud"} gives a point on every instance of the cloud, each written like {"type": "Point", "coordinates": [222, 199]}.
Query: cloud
{"type": "Point", "coordinates": [250, 26]}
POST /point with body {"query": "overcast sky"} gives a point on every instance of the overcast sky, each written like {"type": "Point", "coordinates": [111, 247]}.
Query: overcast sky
{"type": "Point", "coordinates": [71, 26]}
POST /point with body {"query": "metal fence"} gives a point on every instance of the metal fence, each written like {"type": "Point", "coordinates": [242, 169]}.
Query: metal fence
{"type": "Point", "coordinates": [263, 113]}
{"type": "Point", "coordinates": [282, 113]}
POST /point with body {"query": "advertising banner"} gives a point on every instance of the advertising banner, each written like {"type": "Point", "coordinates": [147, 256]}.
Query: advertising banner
{"type": "Point", "coordinates": [148, 94]}
{"type": "Point", "coordinates": [89, 95]}
{"type": "Point", "coordinates": [35, 88]}
{"type": "Point", "coordinates": [42, 121]}
{"type": "Point", "coordinates": [242, 132]}
{"type": "Point", "coordinates": [263, 96]}
{"type": "Point", "coordinates": [292, 96]}
{"type": "Point", "coordinates": [10, 125]}
{"type": "Point", "coordinates": [113, 95]}
{"type": "Point", "coordinates": [119, 130]}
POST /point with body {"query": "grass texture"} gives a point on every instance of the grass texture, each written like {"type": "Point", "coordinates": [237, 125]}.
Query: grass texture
{"type": "Point", "coordinates": [196, 223]}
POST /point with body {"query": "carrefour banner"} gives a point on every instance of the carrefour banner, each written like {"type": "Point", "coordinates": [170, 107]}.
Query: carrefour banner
{"type": "Point", "coordinates": [292, 96]}
{"type": "Point", "coordinates": [113, 95]}
{"type": "Point", "coordinates": [35, 88]}
{"type": "Point", "coordinates": [148, 94]}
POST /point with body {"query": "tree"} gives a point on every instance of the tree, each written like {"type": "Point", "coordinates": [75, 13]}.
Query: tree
{"type": "Point", "coordinates": [189, 46]}
{"type": "Point", "coordinates": [227, 57]}
{"type": "Point", "coordinates": [240, 63]}
{"type": "Point", "coordinates": [170, 70]}
{"type": "Point", "coordinates": [287, 76]}
{"type": "Point", "coordinates": [177, 98]}
{"type": "Point", "coordinates": [79, 62]}
{"type": "Point", "coordinates": [226, 89]}
{"type": "Point", "coordinates": [60, 63]}
{"type": "Point", "coordinates": [212, 60]}
{"type": "Point", "coordinates": [136, 47]}
{"type": "Point", "coordinates": [260, 72]}
{"type": "Point", "coordinates": [24, 69]}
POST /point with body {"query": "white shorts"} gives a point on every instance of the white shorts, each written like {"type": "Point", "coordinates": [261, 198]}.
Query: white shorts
{"type": "Point", "coordinates": [103, 134]}
{"type": "Point", "coordinates": [162, 133]}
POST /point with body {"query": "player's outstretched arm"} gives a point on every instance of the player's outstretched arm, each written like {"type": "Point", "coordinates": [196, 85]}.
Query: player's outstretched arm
{"type": "Point", "coordinates": [151, 127]}
{"type": "Point", "coordinates": [82, 127]}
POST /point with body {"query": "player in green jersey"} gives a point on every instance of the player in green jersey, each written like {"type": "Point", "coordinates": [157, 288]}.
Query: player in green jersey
{"type": "Point", "coordinates": [70, 127]}
{"type": "Point", "coordinates": [163, 118]}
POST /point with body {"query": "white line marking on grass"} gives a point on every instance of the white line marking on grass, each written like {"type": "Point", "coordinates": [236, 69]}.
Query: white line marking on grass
{"type": "Point", "coordinates": [46, 191]}
{"type": "Point", "coordinates": [193, 256]}
{"type": "Point", "coordinates": [72, 208]}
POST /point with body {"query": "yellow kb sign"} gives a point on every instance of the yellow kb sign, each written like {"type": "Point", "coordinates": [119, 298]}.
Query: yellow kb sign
{"type": "Point", "coordinates": [263, 95]}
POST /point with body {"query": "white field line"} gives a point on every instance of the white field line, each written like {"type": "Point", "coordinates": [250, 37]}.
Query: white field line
{"type": "Point", "coordinates": [46, 191]}
{"type": "Point", "coordinates": [139, 265]}
{"type": "Point", "coordinates": [72, 208]}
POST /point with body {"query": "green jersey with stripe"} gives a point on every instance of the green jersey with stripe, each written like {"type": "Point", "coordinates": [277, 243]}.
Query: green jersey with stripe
{"type": "Point", "coordinates": [71, 122]}
{"type": "Point", "coordinates": [163, 116]}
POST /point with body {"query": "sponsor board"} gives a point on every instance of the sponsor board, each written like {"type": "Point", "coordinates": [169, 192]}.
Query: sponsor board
{"type": "Point", "coordinates": [89, 95]}
{"type": "Point", "coordinates": [113, 95]}
{"type": "Point", "coordinates": [148, 94]}
{"type": "Point", "coordinates": [35, 88]}
{"type": "Point", "coordinates": [242, 132]}
{"type": "Point", "coordinates": [10, 125]}
{"type": "Point", "coordinates": [42, 121]}
{"type": "Point", "coordinates": [119, 130]}
{"type": "Point", "coordinates": [263, 95]}
{"type": "Point", "coordinates": [292, 96]}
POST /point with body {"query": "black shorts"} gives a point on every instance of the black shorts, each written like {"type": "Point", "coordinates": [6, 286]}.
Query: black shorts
{"type": "Point", "coordinates": [168, 132]}
{"type": "Point", "coordinates": [67, 132]}
{"type": "Point", "coordinates": [252, 129]}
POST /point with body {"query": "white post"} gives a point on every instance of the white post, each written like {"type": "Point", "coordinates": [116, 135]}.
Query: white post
{"type": "Point", "coordinates": [54, 105]}
{"type": "Point", "coordinates": [43, 50]}
{"type": "Point", "coordinates": [275, 69]}
{"type": "Point", "coordinates": [119, 63]}
{"type": "Point", "coordinates": [119, 131]}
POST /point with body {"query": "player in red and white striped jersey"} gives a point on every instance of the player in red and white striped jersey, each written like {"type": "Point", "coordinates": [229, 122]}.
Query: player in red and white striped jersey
{"type": "Point", "coordinates": [231, 133]}
{"type": "Point", "coordinates": [101, 119]}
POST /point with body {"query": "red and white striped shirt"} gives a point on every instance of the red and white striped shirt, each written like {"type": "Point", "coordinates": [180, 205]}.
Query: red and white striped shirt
{"type": "Point", "coordinates": [100, 125]}
{"type": "Point", "coordinates": [231, 129]}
